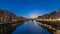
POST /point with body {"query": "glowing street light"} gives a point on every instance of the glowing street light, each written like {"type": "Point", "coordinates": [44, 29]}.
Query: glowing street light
{"type": "Point", "coordinates": [59, 19]}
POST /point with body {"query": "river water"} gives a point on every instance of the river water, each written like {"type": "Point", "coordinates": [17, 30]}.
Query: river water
{"type": "Point", "coordinates": [30, 28]}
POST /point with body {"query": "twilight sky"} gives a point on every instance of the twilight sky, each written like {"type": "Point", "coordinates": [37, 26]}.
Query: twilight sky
{"type": "Point", "coordinates": [27, 8]}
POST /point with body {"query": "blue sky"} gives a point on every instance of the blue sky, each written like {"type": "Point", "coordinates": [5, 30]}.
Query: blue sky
{"type": "Point", "coordinates": [27, 8]}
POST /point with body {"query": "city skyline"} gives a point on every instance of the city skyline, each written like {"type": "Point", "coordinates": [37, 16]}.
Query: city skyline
{"type": "Point", "coordinates": [26, 8]}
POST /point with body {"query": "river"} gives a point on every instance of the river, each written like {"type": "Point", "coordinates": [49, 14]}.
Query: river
{"type": "Point", "coordinates": [30, 28]}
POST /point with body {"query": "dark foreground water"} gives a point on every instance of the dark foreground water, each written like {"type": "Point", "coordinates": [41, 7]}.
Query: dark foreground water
{"type": "Point", "coordinates": [30, 28]}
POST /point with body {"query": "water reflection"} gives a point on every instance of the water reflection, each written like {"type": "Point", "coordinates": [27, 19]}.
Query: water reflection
{"type": "Point", "coordinates": [30, 28]}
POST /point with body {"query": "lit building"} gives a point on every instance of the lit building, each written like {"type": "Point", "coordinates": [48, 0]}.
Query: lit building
{"type": "Point", "coordinates": [52, 15]}
{"type": "Point", "coordinates": [46, 16]}
{"type": "Point", "coordinates": [58, 14]}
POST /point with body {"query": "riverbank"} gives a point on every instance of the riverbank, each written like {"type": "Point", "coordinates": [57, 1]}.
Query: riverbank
{"type": "Point", "coordinates": [40, 24]}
